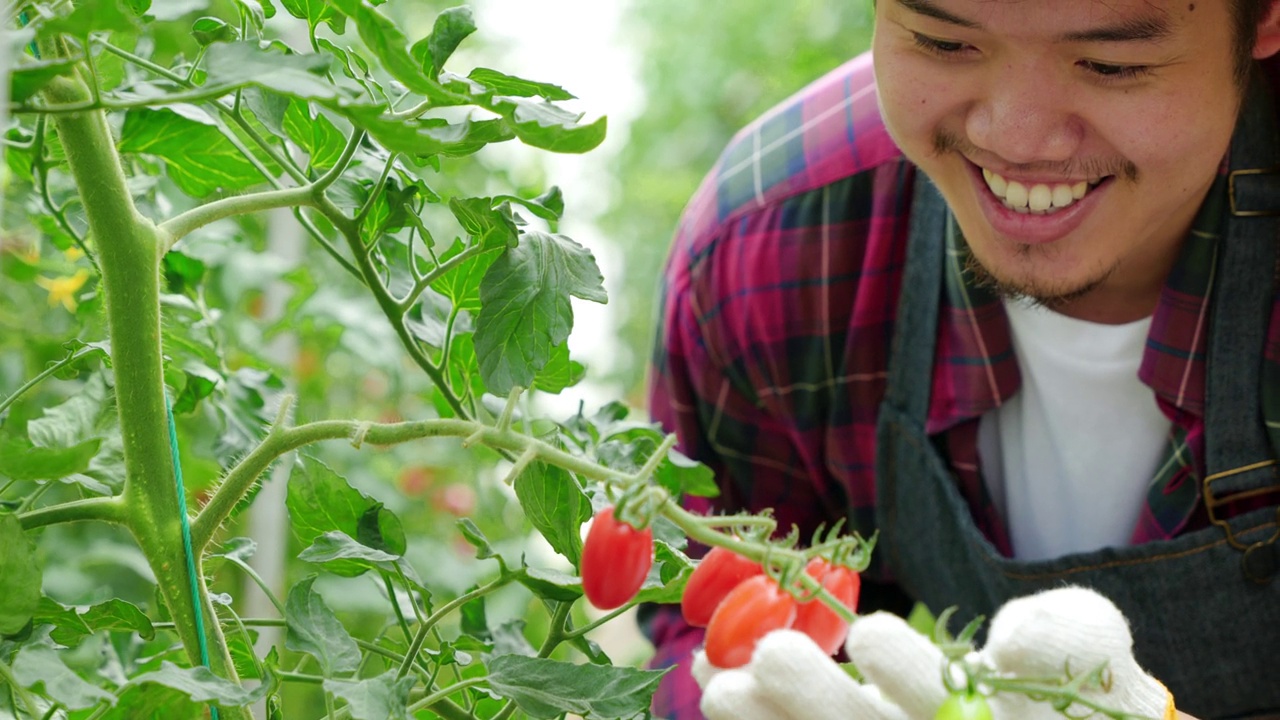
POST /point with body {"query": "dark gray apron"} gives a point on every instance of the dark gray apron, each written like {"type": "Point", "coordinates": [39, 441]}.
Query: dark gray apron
{"type": "Point", "coordinates": [1204, 608]}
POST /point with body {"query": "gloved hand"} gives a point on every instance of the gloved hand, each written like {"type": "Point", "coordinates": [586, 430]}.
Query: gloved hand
{"type": "Point", "coordinates": [790, 678]}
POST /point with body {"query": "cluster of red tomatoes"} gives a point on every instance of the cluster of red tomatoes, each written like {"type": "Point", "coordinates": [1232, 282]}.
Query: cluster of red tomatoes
{"type": "Point", "coordinates": [728, 594]}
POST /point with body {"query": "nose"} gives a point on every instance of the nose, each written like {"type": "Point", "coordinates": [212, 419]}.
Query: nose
{"type": "Point", "coordinates": [1023, 116]}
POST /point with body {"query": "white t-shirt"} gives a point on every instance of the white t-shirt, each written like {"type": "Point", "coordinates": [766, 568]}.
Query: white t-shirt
{"type": "Point", "coordinates": [1068, 459]}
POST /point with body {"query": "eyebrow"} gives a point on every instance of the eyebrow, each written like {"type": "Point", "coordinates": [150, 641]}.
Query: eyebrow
{"type": "Point", "coordinates": [1141, 29]}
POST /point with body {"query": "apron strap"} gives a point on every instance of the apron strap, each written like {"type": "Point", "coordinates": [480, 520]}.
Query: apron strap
{"type": "Point", "coordinates": [911, 373]}
{"type": "Point", "coordinates": [1239, 459]}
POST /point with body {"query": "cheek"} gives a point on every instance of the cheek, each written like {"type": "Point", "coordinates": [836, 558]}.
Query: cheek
{"type": "Point", "coordinates": [912, 103]}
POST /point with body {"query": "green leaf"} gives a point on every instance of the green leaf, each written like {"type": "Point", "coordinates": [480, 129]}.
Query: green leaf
{"type": "Point", "coordinates": [19, 460]}
{"type": "Point", "coordinates": [258, 11]}
{"type": "Point", "coordinates": [422, 138]}
{"type": "Point", "coordinates": [556, 505]}
{"type": "Point", "coordinates": [80, 418]}
{"type": "Point", "coordinates": [488, 227]}
{"type": "Point", "coordinates": [503, 84]}
{"type": "Point", "coordinates": [201, 685]}
{"type": "Point", "coordinates": [525, 309]}
{"type": "Point", "coordinates": [19, 576]}
{"type": "Point", "coordinates": [548, 206]}
{"type": "Point", "coordinates": [72, 626]}
{"type": "Point", "coordinates": [316, 12]}
{"type": "Point", "coordinates": [41, 665]}
{"type": "Point", "coordinates": [233, 65]}
{"type": "Point", "coordinates": [451, 28]}
{"type": "Point", "coordinates": [93, 16]}
{"type": "Point", "coordinates": [560, 372]}
{"type": "Point", "coordinates": [383, 697]}
{"type": "Point", "coordinates": [314, 629]}
{"type": "Point", "coordinates": [666, 580]}
{"type": "Point", "coordinates": [210, 30]}
{"type": "Point", "coordinates": [201, 382]}
{"type": "Point", "coordinates": [384, 38]}
{"type": "Point", "coordinates": [267, 106]}
{"type": "Point", "coordinates": [542, 125]}
{"type": "Point", "coordinates": [342, 555]}
{"type": "Point", "coordinates": [316, 135]}
{"type": "Point", "coordinates": [547, 689]}
{"type": "Point", "coordinates": [153, 701]}
{"type": "Point", "coordinates": [199, 158]}
{"type": "Point", "coordinates": [550, 584]}
{"type": "Point", "coordinates": [320, 501]}
{"type": "Point", "coordinates": [472, 533]}
{"type": "Point", "coordinates": [681, 475]}
{"type": "Point", "coordinates": [462, 284]}
{"type": "Point", "coordinates": [30, 77]}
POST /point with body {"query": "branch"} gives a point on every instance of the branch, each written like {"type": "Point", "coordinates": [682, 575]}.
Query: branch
{"type": "Point", "coordinates": [178, 227]}
{"type": "Point", "coordinates": [106, 509]}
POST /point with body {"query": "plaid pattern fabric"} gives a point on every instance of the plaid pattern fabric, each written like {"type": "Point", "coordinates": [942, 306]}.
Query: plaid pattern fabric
{"type": "Point", "coordinates": [780, 297]}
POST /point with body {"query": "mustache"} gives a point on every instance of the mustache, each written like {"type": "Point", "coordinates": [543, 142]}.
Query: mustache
{"type": "Point", "coordinates": [945, 142]}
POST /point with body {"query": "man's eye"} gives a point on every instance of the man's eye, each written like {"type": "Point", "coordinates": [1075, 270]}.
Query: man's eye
{"type": "Point", "coordinates": [936, 46]}
{"type": "Point", "coordinates": [1108, 71]}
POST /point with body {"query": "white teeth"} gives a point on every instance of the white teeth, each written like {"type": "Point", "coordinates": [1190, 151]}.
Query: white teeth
{"type": "Point", "coordinates": [1016, 194]}
{"type": "Point", "coordinates": [1039, 199]}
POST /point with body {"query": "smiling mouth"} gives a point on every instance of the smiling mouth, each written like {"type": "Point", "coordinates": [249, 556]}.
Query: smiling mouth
{"type": "Point", "coordinates": [1038, 198]}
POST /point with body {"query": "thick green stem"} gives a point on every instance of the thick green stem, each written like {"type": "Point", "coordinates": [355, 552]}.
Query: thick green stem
{"type": "Point", "coordinates": [103, 509]}
{"type": "Point", "coordinates": [128, 247]}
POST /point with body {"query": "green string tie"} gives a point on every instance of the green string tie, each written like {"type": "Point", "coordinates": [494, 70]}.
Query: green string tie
{"type": "Point", "coordinates": [186, 544]}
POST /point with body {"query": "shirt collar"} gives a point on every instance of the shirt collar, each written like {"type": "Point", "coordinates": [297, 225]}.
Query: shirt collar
{"type": "Point", "coordinates": [975, 369]}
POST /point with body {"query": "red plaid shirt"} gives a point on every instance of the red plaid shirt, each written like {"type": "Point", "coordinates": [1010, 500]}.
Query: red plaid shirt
{"type": "Point", "coordinates": [779, 302]}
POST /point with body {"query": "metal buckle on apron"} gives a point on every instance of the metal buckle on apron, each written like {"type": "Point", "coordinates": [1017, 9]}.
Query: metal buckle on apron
{"type": "Point", "coordinates": [1260, 561]}
{"type": "Point", "coordinates": [1258, 185]}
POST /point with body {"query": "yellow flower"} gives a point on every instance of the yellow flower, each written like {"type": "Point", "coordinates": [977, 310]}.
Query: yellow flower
{"type": "Point", "coordinates": [73, 253]}
{"type": "Point", "coordinates": [63, 290]}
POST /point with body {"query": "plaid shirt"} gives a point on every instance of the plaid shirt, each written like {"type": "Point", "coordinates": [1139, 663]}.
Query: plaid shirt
{"type": "Point", "coordinates": [780, 298]}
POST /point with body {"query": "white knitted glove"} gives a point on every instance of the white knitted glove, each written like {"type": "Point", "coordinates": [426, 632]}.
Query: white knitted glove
{"type": "Point", "coordinates": [789, 677]}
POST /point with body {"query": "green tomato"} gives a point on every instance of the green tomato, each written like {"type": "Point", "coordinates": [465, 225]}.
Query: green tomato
{"type": "Point", "coordinates": [964, 706]}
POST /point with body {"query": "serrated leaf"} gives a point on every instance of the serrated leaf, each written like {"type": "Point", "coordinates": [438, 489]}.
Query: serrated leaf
{"type": "Point", "coordinates": [316, 135]}
{"type": "Point", "coordinates": [560, 372]}
{"type": "Point", "coordinates": [384, 38]}
{"type": "Point", "coordinates": [210, 30]}
{"type": "Point", "coordinates": [72, 626]}
{"type": "Point", "coordinates": [550, 584]}
{"type": "Point", "coordinates": [666, 580]}
{"type": "Point", "coordinates": [30, 77]}
{"type": "Point", "coordinates": [19, 575]}
{"type": "Point", "coordinates": [525, 310]}
{"type": "Point", "coordinates": [311, 627]}
{"type": "Point", "coordinates": [267, 106]}
{"type": "Point", "coordinates": [94, 16]}
{"type": "Point", "coordinates": [80, 418]}
{"type": "Point", "coordinates": [542, 125]}
{"type": "Point", "coordinates": [383, 697]}
{"type": "Point", "coordinates": [153, 701]}
{"type": "Point", "coordinates": [233, 65]}
{"type": "Point", "coordinates": [462, 284]}
{"type": "Point", "coordinates": [472, 534]}
{"type": "Point", "coordinates": [41, 665]}
{"type": "Point", "coordinates": [343, 555]}
{"type": "Point", "coordinates": [199, 158]}
{"type": "Point", "coordinates": [319, 501]}
{"type": "Point", "coordinates": [503, 84]}
{"type": "Point", "coordinates": [556, 505]}
{"type": "Point", "coordinates": [316, 12]}
{"type": "Point", "coordinates": [548, 206]}
{"type": "Point", "coordinates": [451, 27]}
{"type": "Point", "coordinates": [547, 689]}
{"type": "Point", "coordinates": [489, 227]}
{"type": "Point", "coordinates": [428, 137]}
{"type": "Point", "coordinates": [201, 685]}
{"type": "Point", "coordinates": [20, 460]}
{"type": "Point", "coordinates": [681, 475]}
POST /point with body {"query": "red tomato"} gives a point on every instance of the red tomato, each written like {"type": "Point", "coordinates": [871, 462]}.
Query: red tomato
{"type": "Point", "coordinates": [718, 573]}
{"type": "Point", "coordinates": [814, 618]}
{"type": "Point", "coordinates": [615, 561]}
{"type": "Point", "coordinates": [756, 607]}
{"type": "Point", "coordinates": [963, 706]}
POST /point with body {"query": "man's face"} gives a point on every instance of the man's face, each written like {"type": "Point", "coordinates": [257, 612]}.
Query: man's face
{"type": "Point", "coordinates": [1099, 124]}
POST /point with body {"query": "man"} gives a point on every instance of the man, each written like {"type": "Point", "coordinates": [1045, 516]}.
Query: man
{"type": "Point", "coordinates": [1067, 373]}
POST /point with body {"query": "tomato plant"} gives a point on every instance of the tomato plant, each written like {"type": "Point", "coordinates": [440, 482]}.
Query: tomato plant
{"type": "Point", "coordinates": [750, 611]}
{"type": "Point", "coordinates": [615, 560]}
{"type": "Point", "coordinates": [820, 622]}
{"type": "Point", "coordinates": [718, 573]}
